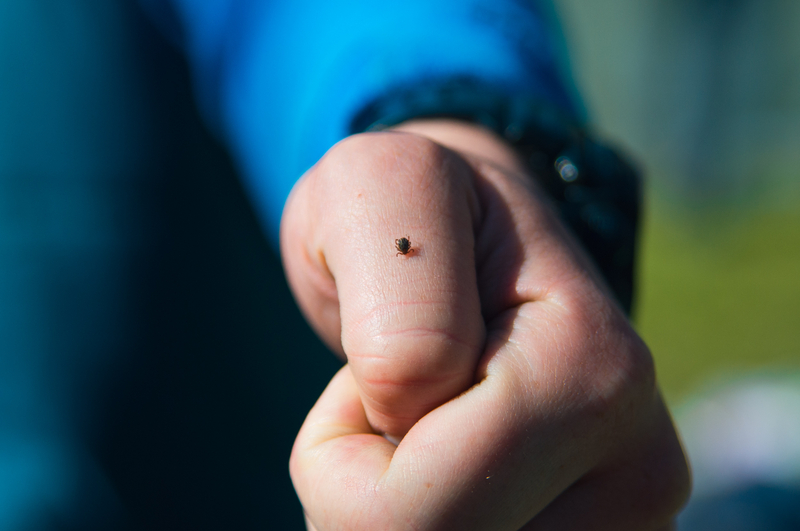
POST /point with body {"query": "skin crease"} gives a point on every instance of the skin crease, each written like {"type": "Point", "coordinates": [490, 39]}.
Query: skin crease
{"type": "Point", "coordinates": [519, 394]}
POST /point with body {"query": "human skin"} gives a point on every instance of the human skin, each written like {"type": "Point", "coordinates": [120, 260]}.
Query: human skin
{"type": "Point", "coordinates": [519, 394]}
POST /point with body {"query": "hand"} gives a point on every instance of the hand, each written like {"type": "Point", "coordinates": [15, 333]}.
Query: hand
{"type": "Point", "coordinates": [522, 396]}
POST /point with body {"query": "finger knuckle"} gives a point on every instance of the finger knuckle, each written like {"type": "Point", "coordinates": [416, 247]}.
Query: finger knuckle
{"type": "Point", "coordinates": [413, 369]}
{"type": "Point", "coordinates": [412, 355]}
{"type": "Point", "coordinates": [618, 369]}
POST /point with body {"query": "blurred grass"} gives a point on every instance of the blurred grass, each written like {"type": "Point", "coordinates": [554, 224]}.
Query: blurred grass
{"type": "Point", "coordinates": [719, 292]}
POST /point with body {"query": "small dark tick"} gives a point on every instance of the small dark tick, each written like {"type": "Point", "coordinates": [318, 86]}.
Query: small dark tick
{"type": "Point", "coordinates": [403, 246]}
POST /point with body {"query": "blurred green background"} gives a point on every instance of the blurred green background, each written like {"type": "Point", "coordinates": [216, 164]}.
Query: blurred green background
{"type": "Point", "coordinates": [705, 96]}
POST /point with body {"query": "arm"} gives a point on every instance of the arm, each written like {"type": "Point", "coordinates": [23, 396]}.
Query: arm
{"type": "Point", "coordinates": [282, 81]}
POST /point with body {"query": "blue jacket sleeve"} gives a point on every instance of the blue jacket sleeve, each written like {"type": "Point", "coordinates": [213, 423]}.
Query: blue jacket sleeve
{"type": "Point", "coordinates": [281, 81]}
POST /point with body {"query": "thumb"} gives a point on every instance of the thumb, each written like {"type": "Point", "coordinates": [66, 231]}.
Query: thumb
{"type": "Point", "coordinates": [409, 324]}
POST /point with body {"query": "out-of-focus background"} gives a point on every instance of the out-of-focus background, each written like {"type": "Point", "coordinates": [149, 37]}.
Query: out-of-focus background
{"type": "Point", "coordinates": [705, 96]}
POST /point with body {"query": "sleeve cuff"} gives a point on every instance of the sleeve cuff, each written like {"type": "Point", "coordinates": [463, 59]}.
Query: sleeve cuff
{"type": "Point", "coordinates": [283, 81]}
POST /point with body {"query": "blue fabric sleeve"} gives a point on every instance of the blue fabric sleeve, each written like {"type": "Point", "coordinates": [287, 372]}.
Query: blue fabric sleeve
{"type": "Point", "coordinates": [281, 81]}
